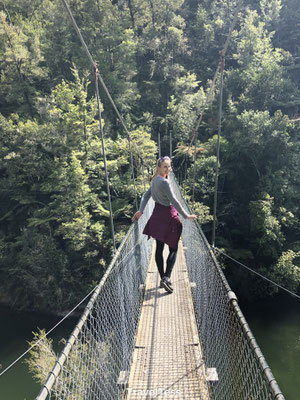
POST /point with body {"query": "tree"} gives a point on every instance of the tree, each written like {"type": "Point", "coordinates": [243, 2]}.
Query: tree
{"type": "Point", "coordinates": [21, 64]}
{"type": "Point", "coordinates": [287, 270]}
{"type": "Point", "coordinates": [260, 81]}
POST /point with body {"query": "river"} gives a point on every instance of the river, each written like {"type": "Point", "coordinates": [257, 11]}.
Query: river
{"type": "Point", "coordinates": [275, 324]}
{"type": "Point", "coordinates": [15, 330]}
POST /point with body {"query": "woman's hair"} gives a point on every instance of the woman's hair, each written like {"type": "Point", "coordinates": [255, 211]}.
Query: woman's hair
{"type": "Point", "coordinates": [158, 165]}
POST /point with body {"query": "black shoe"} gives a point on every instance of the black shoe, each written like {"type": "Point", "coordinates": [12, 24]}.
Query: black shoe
{"type": "Point", "coordinates": [161, 284]}
{"type": "Point", "coordinates": [166, 283]}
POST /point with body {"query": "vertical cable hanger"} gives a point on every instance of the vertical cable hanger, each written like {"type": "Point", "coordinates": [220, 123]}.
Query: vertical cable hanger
{"type": "Point", "coordinates": [127, 132]}
{"type": "Point", "coordinates": [222, 66]}
{"type": "Point", "coordinates": [171, 140]}
{"type": "Point", "coordinates": [99, 77]}
{"type": "Point", "coordinates": [159, 148]}
{"type": "Point", "coordinates": [100, 120]}
{"type": "Point", "coordinates": [104, 159]}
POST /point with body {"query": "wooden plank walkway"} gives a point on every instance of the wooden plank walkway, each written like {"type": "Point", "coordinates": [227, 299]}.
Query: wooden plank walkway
{"type": "Point", "coordinates": [167, 360]}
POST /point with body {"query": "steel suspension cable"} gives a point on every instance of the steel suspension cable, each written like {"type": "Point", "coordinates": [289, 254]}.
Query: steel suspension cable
{"type": "Point", "coordinates": [99, 77]}
{"type": "Point", "coordinates": [257, 273]}
{"type": "Point", "coordinates": [206, 103]}
{"type": "Point", "coordinates": [48, 333]}
{"type": "Point", "coordinates": [222, 65]}
{"type": "Point", "coordinates": [127, 132]}
{"type": "Point", "coordinates": [159, 148]}
{"type": "Point", "coordinates": [104, 160]}
{"type": "Point", "coordinates": [96, 288]}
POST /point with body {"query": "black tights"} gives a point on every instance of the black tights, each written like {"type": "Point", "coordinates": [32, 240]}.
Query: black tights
{"type": "Point", "coordinates": [160, 261]}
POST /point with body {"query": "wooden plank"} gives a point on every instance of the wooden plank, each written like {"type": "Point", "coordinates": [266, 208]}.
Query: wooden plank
{"type": "Point", "coordinates": [167, 360]}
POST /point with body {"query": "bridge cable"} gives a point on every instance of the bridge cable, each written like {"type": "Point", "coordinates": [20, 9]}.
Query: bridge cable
{"type": "Point", "coordinates": [222, 66]}
{"type": "Point", "coordinates": [129, 253]}
{"type": "Point", "coordinates": [47, 333]}
{"type": "Point", "coordinates": [104, 160]}
{"type": "Point", "coordinates": [255, 272]}
{"type": "Point", "coordinates": [99, 77]}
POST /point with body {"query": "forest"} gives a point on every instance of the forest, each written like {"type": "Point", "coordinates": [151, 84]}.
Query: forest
{"type": "Point", "coordinates": [157, 58]}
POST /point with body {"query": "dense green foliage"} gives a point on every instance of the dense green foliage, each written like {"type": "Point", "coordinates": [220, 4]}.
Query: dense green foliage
{"type": "Point", "coordinates": [157, 59]}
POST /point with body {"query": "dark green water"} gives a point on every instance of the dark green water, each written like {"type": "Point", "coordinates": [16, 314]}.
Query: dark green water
{"type": "Point", "coordinates": [275, 324]}
{"type": "Point", "coordinates": [15, 330]}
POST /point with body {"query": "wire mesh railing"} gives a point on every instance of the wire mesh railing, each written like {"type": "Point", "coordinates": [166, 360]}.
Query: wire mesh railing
{"type": "Point", "coordinates": [100, 348]}
{"type": "Point", "coordinates": [101, 345]}
{"type": "Point", "coordinates": [228, 344]}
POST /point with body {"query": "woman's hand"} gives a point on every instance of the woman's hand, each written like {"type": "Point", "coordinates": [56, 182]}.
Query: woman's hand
{"type": "Point", "coordinates": [192, 216]}
{"type": "Point", "coordinates": [137, 216]}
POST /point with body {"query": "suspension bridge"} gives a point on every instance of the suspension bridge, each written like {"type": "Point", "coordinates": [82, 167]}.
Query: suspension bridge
{"type": "Point", "coordinates": [135, 341]}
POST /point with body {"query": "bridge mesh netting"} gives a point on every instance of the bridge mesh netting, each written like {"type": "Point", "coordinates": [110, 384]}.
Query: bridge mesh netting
{"type": "Point", "coordinates": [102, 343]}
{"type": "Point", "coordinates": [228, 344]}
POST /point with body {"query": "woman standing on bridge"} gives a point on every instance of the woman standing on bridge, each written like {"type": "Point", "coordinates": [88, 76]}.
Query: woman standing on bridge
{"type": "Point", "coordinates": [164, 224]}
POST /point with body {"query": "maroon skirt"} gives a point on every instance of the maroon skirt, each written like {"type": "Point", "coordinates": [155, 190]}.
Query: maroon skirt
{"type": "Point", "coordinates": [164, 225]}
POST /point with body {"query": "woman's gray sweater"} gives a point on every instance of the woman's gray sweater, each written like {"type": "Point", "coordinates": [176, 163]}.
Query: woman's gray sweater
{"type": "Point", "coordinates": [162, 193]}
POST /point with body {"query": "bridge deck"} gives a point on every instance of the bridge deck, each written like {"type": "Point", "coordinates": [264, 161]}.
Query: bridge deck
{"type": "Point", "coordinates": [167, 360]}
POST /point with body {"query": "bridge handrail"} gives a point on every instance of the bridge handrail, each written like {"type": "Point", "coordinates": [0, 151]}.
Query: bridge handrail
{"type": "Point", "coordinates": [54, 373]}
{"type": "Point", "coordinates": [99, 350]}
{"type": "Point", "coordinates": [274, 387]}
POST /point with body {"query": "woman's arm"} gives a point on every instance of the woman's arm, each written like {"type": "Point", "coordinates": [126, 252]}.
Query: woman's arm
{"type": "Point", "coordinates": [145, 198]}
{"type": "Point", "coordinates": [169, 192]}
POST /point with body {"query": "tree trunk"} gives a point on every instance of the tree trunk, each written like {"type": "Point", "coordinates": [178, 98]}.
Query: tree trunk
{"type": "Point", "coordinates": [131, 14]}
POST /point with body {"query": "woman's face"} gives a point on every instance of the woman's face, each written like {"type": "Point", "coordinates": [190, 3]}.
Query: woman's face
{"type": "Point", "coordinates": [165, 168]}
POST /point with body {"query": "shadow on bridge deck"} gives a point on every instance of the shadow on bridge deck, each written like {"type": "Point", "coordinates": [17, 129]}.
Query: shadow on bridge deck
{"type": "Point", "coordinates": [167, 359]}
